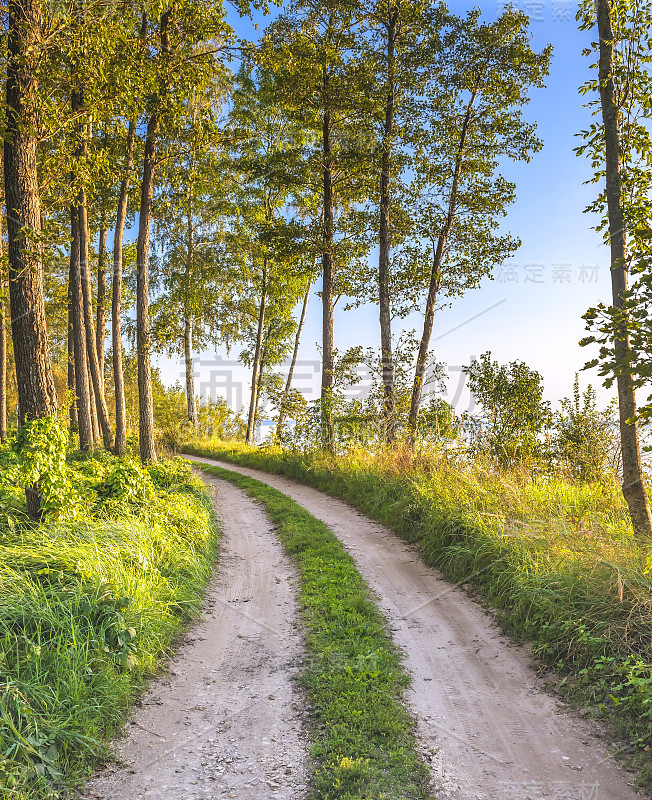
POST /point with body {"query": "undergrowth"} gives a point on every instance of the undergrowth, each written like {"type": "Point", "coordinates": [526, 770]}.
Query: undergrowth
{"type": "Point", "coordinates": [364, 745]}
{"type": "Point", "coordinates": [90, 599]}
{"type": "Point", "coordinates": [555, 558]}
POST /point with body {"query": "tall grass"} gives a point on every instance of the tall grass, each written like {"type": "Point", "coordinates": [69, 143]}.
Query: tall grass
{"type": "Point", "coordinates": [555, 558]}
{"type": "Point", "coordinates": [88, 605]}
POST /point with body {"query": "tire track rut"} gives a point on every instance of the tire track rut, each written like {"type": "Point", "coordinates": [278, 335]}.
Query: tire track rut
{"type": "Point", "coordinates": [228, 718]}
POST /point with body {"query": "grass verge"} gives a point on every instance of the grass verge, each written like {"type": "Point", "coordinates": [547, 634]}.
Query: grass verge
{"type": "Point", "coordinates": [364, 743]}
{"type": "Point", "coordinates": [557, 560]}
{"type": "Point", "coordinates": [90, 600]}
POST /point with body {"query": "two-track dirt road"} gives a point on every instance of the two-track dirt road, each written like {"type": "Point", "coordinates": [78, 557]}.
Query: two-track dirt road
{"type": "Point", "coordinates": [483, 720]}
{"type": "Point", "coordinates": [228, 720]}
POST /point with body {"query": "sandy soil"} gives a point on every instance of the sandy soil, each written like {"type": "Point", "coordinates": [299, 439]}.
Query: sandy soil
{"type": "Point", "coordinates": [227, 720]}
{"type": "Point", "coordinates": [484, 723]}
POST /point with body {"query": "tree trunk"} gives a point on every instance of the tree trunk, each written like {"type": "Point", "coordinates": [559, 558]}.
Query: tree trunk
{"type": "Point", "coordinates": [435, 277]}
{"type": "Point", "coordinates": [116, 298]}
{"type": "Point", "coordinates": [253, 401]}
{"type": "Point", "coordinates": [100, 325]}
{"type": "Point", "coordinates": [633, 480]}
{"type": "Point", "coordinates": [295, 354]}
{"type": "Point", "coordinates": [36, 393]}
{"type": "Point", "coordinates": [327, 424]}
{"type": "Point", "coordinates": [188, 323]}
{"type": "Point", "coordinates": [190, 378]}
{"type": "Point", "coordinates": [91, 349]}
{"type": "Point", "coordinates": [422, 358]}
{"type": "Point", "coordinates": [97, 436]}
{"type": "Point", "coordinates": [143, 345]}
{"type": "Point", "coordinates": [145, 399]}
{"type": "Point", "coordinates": [3, 349]}
{"type": "Point", "coordinates": [72, 388]}
{"type": "Point", "coordinates": [82, 401]}
{"type": "Point", "coordinates": [384, 300]}
{"type": "Point", "coordinates": [259, 380]}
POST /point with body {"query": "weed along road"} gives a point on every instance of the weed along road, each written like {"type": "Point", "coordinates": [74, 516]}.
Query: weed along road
{"type": "Point", "coordinates": [484, 723]}
{"type": "Point", "coordinates": [227, 718]}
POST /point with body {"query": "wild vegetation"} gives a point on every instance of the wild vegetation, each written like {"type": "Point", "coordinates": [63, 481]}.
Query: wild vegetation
{"type": "Point", "coordinates": [554, 556]}
{"type": "Point", "coordinates": [90, 599]}
{"type": "Point", "coordinates": [251, 175]}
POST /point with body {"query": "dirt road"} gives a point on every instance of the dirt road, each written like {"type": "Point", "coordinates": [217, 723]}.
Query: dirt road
{"type": "Point", "coordinates": [228, 720]}
{"type": "Point", "coordinates": [483, 721]}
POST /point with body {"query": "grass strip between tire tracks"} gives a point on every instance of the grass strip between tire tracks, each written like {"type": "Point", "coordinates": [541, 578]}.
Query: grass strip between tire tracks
{"type": "Point", "coordinates": [588, 614]}
{"type": "Point", "coordinates": [364, 744]}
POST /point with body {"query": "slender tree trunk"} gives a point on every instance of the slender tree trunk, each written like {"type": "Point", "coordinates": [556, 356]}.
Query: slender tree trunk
{"type": "Point", "coordinates": [116, 297]}
{"type": "Point", "coordinates": [188, 322]}
{"type": "Point", "coordinates": [91, 349]}
{"type": "Point", "coordinates": [100, 325]}
{"type": "Point", "coordinates": [422, 357]}
{"type": "Point", "coordinates": [384, 300]}
{"type": "Point", "coordinates": [36, 391]}
{"type": "Point", "coordinates": [143, 346]}
{"type": "Point", "coordinates": [633, 480]}
{"type": "Point", "coordinates": [259, 380]}
{"type": "Point", "coordinates": [435, 277]}
{"type": "Point", "coordinates": [72, 387]}
{"type": "Point", "coordinates": [3, 348]}
{"type": "Point", "coordinates": [190, 378]}
{"type": "Point", "coordinates": [82, 401]}
{"type": "Point", "coordinates": [293, 362]}
{"type": "Point", "coordinates": [253, 402]}
{"type": "Point", "coordinates": [327, 424]}
{"type": "Point", "coordinates": [97, 436]}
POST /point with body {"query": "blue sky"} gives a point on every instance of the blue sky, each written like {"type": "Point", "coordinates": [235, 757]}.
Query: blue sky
{"type": "Point", "coordinates": [532, 309]}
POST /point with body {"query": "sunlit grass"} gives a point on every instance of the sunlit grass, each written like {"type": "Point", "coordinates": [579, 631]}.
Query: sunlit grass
{"type": "Point", "coordinates": [88, 607]}
{"type": "Point", "coordinates": [557, 559]}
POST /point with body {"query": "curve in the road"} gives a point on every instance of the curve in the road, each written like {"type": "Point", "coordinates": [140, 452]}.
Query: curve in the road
{"type": "Point", "coordinates": [491, 731]}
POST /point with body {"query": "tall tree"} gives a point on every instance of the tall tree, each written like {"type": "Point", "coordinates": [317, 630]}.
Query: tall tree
{"type": "Point", "coordinates": [622, 150]}
{"type": "Point", "coordinates": [116, 293]}
{"type": "Point", "coordinates": [472, 119]}
{"type": "Point", "coordinates": [36, 392]}
{"type": "Point", "coordinates": [322, 78]}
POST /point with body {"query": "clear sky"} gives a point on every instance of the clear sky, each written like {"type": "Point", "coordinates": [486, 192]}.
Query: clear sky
{"type": "Point", "coordinates": [532, 309]}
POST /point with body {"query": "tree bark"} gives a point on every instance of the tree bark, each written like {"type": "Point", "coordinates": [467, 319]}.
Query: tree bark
{"type": "Point", "coordinates": [293, 362]}
{"type": "Point", "coordinates": [72, 388]}
{"type": "Point", "coordinates": [188, 322]}
{"type": "Point", "coordinates": [435, 277]}
{"type": "Point", "coordinates": [253, 401]}
{"type": "Point", "coordinates": [116, 297]}
{"type": "Point", "coordinates": [3, 348]}
{"type": "Point", "coordinates": [633, 480]}
{"type": "Point", "coordinates": [190, 378]}
{"type": "Point", "coordinates": [143, 345]}
{"type": "Point", "coordinates": [100, 324]}
{"type": "Point", "coordinates": [384, 300]}
{"type": "Point", "coordinates": [36, 391]}
{"type": "Point", "coordinates": [91, 349]}
{"type": "Point", "coordinates": [80, 371]}
{"type": "Point", "coordinates": [327, 424]}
